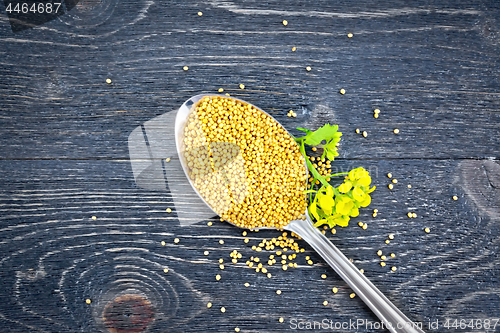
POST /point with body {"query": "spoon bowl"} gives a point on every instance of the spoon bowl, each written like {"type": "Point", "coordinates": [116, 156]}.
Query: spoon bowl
{"type": "Point", "coordinates": [394, 320]}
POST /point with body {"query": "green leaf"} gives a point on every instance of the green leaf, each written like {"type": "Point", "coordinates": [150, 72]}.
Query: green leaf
{"type": "Point", "coordinates": [326, 133]}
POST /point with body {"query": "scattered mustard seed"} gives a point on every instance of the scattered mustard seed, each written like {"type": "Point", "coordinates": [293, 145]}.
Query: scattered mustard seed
{"type": "Point", "coordinates": [221, 241]}
{"type": "Point", "coordinates": [94, 218]}
{"type": "Point", "coordinates": [200, 13]}
{"type": "Point", "coordinates": [223, 309]}
{"type": "Point", "coordinates": [365, 226]}
{"type": "Point", "coordinates": [362, 271]}
{"type": "Point", "coordinates": [409, 186]}
{"type": "Point", "coordinates": [176, 240]}
{"type": "Point", "coordinates": [217, 277]}
{"type": "Point", "coordinates": [108, 81]}
{"type": "Point", "coordinates": [221, 266]}
{"type": "Point", "coordinates": [308, 68]}
{"type": "Point", "coordinates": [247, 284]}
{"type": "Point", "coordinates": [165, 270]}
{"type": "Point", "coordinates": [314, 149]}
{"type": "Point", "coordinates": [374, 214]}
{"type": "Point", "coordinates": [185, 68]}
{"type": "Point", "coordinates": [387, 241]}
{"type": "Point", "coordinates": [390, 186]}
{"type": "Point", "coordinates": [379, 252]}
{"type": "Point", "coordinates": [349, 35]}
{"type": "Point", "coordinates": [209, 223]}
{"type": "Point", "coordinates": [246, 240]}
{"type": "Point", "coordinates": [209, 305]}
{"type": "Point", "coordinates": [376, 111]}
{"type": "Point", "coordinates": [335, 290]}
{"type": "Point", "coordinates": [395, 181]}
{"type": "Point", "coordinates": [383, 257]}
{"type": "Point", "coordinates": [375, 115]}
{"type": "Point", "coordinates": [281, 320]}
{"type": "Point", "coordinates": [334, 231]}
{"type": "Point", "coordinates": [323, 276]}
{"type": "Point", "coordinates": [325, 303]}
{"type": "Point", "coordinates": [352, 295]}
{"type": "Point", "coordinates": [221, 90]}
{"type": "Point", "coordinates": [285, 22]}
{"type": "Point", "coordinates": [393, 255]}
{"type": "Point", "coordinates": [396, 131]}
{"type": "Point", "coordinates": [163, 243]}
{"type": "Point", "coordinates": [394, 268]}
{"type": "Point", "coordinates": [236, 329]}
{"type": "Point", "coordinates": [382, 264]}
{"type": "Point", "coordinates": [221, 261]}
{"type": "Point", "coordinates": [88, 301]}
{"type": "Point", "coordinates": [389, 175]}
{"type": "Point", "coordinates": [167, 159]}
{"type": "Point", "coordinates": [427, 230]}
{"type": "Point", "coordinates": [391, 236]}
{"type": "Point", "coordinates": [168, 210]}
{"type": "Point", "coordinates": [365, 134]}
{"type": "Point", "coordinates": [294, 49]}
{"type": "Point", "coordinates": [357, 131]}
{"type": "Point", "coordinates": [269, 275]}
{"type": "Point", "coordinates": [242, 86]}
{"type": "Point", "coordinates": [409, 215]}
{"type": "Point", "coordinates": [414, 215]}
{"type": "Point", "coordinates": [278, 292]}
{"type": "Point", "coordinates": [284, 267]}
{"type": "Point", "coordinates": [455, 197]}
{"type": "Point", "coordinates": [342, 91]}
{"type": "Point", "coordinates": [206, 253]}
{"type": "Point", "coordinates": [360, 224]}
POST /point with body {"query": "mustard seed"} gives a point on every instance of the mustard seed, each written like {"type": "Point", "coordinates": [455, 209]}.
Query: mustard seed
{"type": "Point", "coordinates": [365, 134]}
{"type": "Point", "coordinates": [379, 252]}
{"type": "Point", "coordinates": [390, 186]}
{"type": "Point", "coordinates": [325, 303]}
{"type": "Point", "coordinates": [427, 230]}
{"type": "Point", "coordinates": [382, 264]}
{"type": "Point", "coordinates": [242, 86]}
{"type": "Point", "coordinates": [209, 223]}
{"type": "Point", "coordinates": [278, 292]}
{"type": "Point", "coordinates": [176, 240]}
{"type": "Point", "coordinates": [247, 284]}
{"type": "Point", "coordinates": [342, 91]}
{"type": "Point", "coordinates": [163, 243]}
{"type": "Point", "coordinates": [223, 309]}
{"type": "Point", "coordinates": [396, 131]}
{"type": "Point", "coordinates": [206, 253]}
{"type": "Point", "coordinates": [165, 270]}
{"type": "Point", "coordinates": [394, 268]}
{"type": "Point", "coordinates": [352, 295]}
{"type": "Point", "coordinates": [88, 301]}
{"type": "Point", "coordinates": [167, 159]}
{"type": "Point", "coordinates": [335, 290]}
{"type": "Point", "coordinates": [221, 90]}
{"type": "Point", "coordinates": [281, 320]}
{"type": "Point", "coordinates": [376, 111]}
{"type": "Point", "coordinates": [285, 22]}
{"type": "Point", "coordinates": [221, 241]}
{"type": "Point", "coordinates": [168, 210]}
{"type": "Point", "coordinates": [294, 49]}
{"type": "Point", "coordinates": [308, 68]}
{"type": "Point", "coordinates": [217, 277]}
{"type": "Point", "coordinates": [455, 197]}
{"type": "Point", "coordinates": [387, 241]}
{"type": "Point", "coordinates": [357, 131]}
{"type": "Point", "coordinates": [236, 329]}
{"type": "Point", "coordinates": [391, 236]}
{"type": "Point", "coordinates": [185, 68]}
{"type": "Point", "coordinates": [389, 175]}
{"type": "Point", "coordinates": [395, 181]}
{"type": "Point", "coordinates": [94, 218]}
{"type": "Point", "coordinates": [323, 276]}
{"type": "Point", "coordinates": [200, 13]}
{"type": "Point", "coordinates": [414, 215]}
{"type": "Point", "coordinates": [393, 255]}
{"type": "Point", "coordinates": [209, 305]}
{"type": "Point", "coordinates": [349, 35]}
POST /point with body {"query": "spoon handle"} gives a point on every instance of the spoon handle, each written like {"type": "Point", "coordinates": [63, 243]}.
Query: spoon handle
{"type": "Point", "coordinates": [392, 318]}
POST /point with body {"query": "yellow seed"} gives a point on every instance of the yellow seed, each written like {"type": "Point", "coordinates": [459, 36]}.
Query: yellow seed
{"type": "Point", "coordinates": [323, 276]}
{"type": "Point", "coordinates": [284, 267]}
{"type": "Point", "coordinates": [375, 115]}
{"type": "Point", "coordinates": [360, 224]}
{"type": "Point", "coordinates": [383, 257]}
{"type": "Point", "coordinates": [395, 181]}
{"type": "Point", "coordinates": [314, 149]}
{"type": "Point", "coordinates": [217, 277]}
{"type": "Point", "coordinates": [221, 241]}
{"type": "Point", "coordinates": [168, 210]}
{"type": "Point", "coordinates": [382, 264]}
{"type": "Point", "coordinates": [349, 35]}
{"type": "Point", "coordinates": [376, 111]}
{"type": "Point", "coordinates": [396, 131]}
{"type": "Point", "coordinates": [209, 223]}
{"type": "Point", "coordinates": [387, 241]}
{"type": "Point", "coordinates": [94, 218]}
{"type": "Point", "coordinates": [236, 329]}
{"type": "Point", "coordinates": [88, 301]}
{"type": "Point", "coordinates": [167, 159]}
{"type": "Point", "coordinates": [285, 22]}
{"type": "Point", "coordinates": [455, 197]}
{"type": "Point", "coordinates": [391, 236]}
{"type": "Point", "coordinates": [281, 320]}
{"type": "Point", "coordinates": [234, 261]}
{"type": "Point", "coordinates": [393, 255]}
{"type": "Point", "coordinates": [246, 240]}
{"type": "Point", "coordinates": [409, 186]}
{"type": "Point", "coordinates": [165, 270]}
{"type": "Point", "coordinates": [247, 284]}
{"type": "Point", "coordinates": [409, 215]}
{"type": "Point", "coordinates": [310, 262]}
{"type": "Point", "coordinates": [414, 215]}
{"type": "Point", "coordinates": [308, 68]}
{"type": "Point", "coordinates": [200, 13]}
{"type": "Point", "coordinates": [221, 89]}
{"type": "Point", "coordinates": [362, 271]}
{"type": "Point", "coordinates": [427, 230]}
{"type": "Point", "coordinates": [342, 91]}
{"type": "Point", "coordinates": [325, 303]}
{"type": "Point", "coordinates": [394, 268]}
{"type": "Point", "coordinates": [209, 305]}
{"type": "Point", "coordinates": [176, 240]}
{"type": "Point", "coordinates": [294, 49]}
{"type": "Point", "coordinates": [335, 290]}
{"type": "Point", "coordinates": [269, 275]}
{"type": "Point", "coordinates": [278, 292]}
{"type": "Point", "coordinates": [221, 266]}
{"type": "Point", "coordinates": [365, 134]}
{"type": "Point", "coordinates": [365, 226]}
{"type": "Point", "coordinates": [163, 243]}
{"type": "Point", "coordinates": [352, 295]}
{"type": "Point", "coordinates": [223, 309]}
{"type": "Point", "coordinates": [389, 175]}
{"type": "Point", "coordinates": [390, 186]}
{"type": "Point", "coordinates": [185, 68]}
{"type": "Point", "coordinates": [375, 210]}
{"type": "Point", "coordinates": [334, 231]}
{"type": "Point", "coordinates": [357, 130]}
{"type": "Point", "coordinates": [242, 86]}
{"type": "Point", "coordinates": [379, 252]}
{"type": "Point", "coordinates": [374, 214]}
{"type": "Point", "coordinates": [206, 253]}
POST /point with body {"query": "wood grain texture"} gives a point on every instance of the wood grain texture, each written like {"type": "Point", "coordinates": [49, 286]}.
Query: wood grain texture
{"type": "Point", "coordinates": [430, 67]}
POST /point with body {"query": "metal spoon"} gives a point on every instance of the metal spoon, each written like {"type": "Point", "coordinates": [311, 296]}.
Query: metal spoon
{"type": "Point", "coordinates": [392, 318]}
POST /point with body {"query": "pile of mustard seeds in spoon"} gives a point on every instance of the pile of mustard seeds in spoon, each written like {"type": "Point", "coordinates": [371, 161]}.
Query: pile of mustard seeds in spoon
{"type": "Point", "coordinates": [244, 164]}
